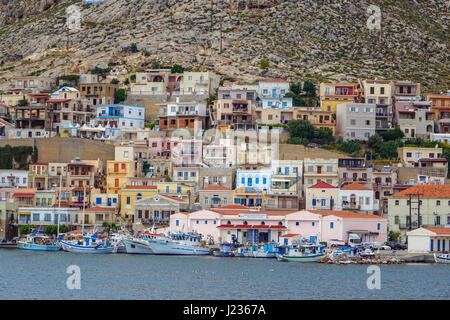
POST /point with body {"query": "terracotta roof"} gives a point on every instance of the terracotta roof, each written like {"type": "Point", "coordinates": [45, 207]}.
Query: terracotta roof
{"type": "Point", "coordinates": [25, 190]}
{"type": "Point", "coordinates": [426, 192]}
{"type": "Point", "coordinates": [273, 80]}
{"type": "Point", "coordinates": [171, 197]}
{"type": "Point", "coordinates": [99, 209]}
{"type": "Point", "coordinates": [289, 235]}
{"type": "Point", "coordinates": [246, 210]}
{"type": "Point", "coordinates": [141, 187]}
{"type": "Point", "coordinates": [323, 185]}
{"type": "Point", "coordinates": [216, 187]}
{"type": "Point", "coordinates": [355, 186]}
{"type": "Point", "coordinates": [5, 123]}
{"type": "Point", "coordinates": [345, 214]}
{"type": "Point", "coordinates": [439, 230]}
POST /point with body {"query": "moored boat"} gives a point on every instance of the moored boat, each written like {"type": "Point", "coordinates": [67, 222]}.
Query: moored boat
{"type": "Point", "coordinates": [179, 244]}
{"type": "Point", "coordinates": [141, 243]}
{"type": "Point", "coordinates": [87, 245]}
{"type": "Point", "coordinates": [224, 250]}
{"type": "Point", "coordinates": [442, 258]}
{"type": "Point", "coordinates": [38, 242]}
{"type": "Point", "coordinates": [302, 253]}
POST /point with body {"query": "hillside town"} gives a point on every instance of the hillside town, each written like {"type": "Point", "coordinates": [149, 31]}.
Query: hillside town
{"type": "Point", "coordinates": [187, 152]}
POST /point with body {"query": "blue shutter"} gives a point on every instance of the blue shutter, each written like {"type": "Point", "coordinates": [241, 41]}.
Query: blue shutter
{"type": "Point", "coordinates": [314, 202]}
{"type": "Point", "coordinates": [431, 245]}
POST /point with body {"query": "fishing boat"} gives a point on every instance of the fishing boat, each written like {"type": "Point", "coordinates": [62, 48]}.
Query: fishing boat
{"type": "Point", "coordinates": [224, 250]}
{"type": "Point", "coordinates": [301, 253]}
{"type": "Point", "coordinates": [442, 258]}
{"type": "Point", "coordinates": [141, 243]}
{"type": "Point", "coordinates": [38, 242]}
{"type": "Point", "coordinates": [179, 244]}
{"type": "Point", "coordinates": [117, 241]}
{"type": "Point", "coordinates": [89, 244]}
{"type": "Point", "coordinates": [258, 251]}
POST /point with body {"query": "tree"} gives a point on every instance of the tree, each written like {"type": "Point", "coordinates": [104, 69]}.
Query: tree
{"type": "Point", "coordinates": [297, 101]}
{"type": "Point", "coordinates": [114, 81]}
{"type": "Point", "coordinates": [23, 103]}
{"type": "Point", "coordinates": [176, 68]}
{"type": "Point", "coordinates": [296, 88]}
{"type": "Point", "coordinates": [134, 48]}
{"type": "Point", "coordinates": [133, 77]}
{"type": "Point", "coordinates": [156, 65]}
{"type": "Point", "coordinates": [388, 150]}
{"type": "Point", "coordinates": [120, 96]}
{"type": "Point", "coordinates": [309, 88]}
{"type": "Point", "coordinates": [392, 134]}
{"type": "Point", "coordinates": [26, 229]}
{"type": "Point", "coordinates": [126, 82]}
{"type": "Point", "coordinates": [349, 147]}
{"type": "Point", "coordinates": [297, 140]}
{"type": "Point", "coordinates": [300, 128]}
{"type": "Point", "coordinates": [106, 226]}
{"type": "Point", "coordinates": [393, 236]}
{"type": "Point", "coordinates": [264, 64]}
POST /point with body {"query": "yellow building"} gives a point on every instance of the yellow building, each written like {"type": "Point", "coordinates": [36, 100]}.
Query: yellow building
{"type": "Point", "coordinates": [319, 169]}
{"type": "Point", "coordinates": [129, 194]}
{"type": "Point", "coordinates": [332, 94]}
{"type": "Point", "coordinates": [186, 192]}
{"type": "Point", "coordinates": [117, 174]}
{"type": "Point", "coordinates": [249, 198]}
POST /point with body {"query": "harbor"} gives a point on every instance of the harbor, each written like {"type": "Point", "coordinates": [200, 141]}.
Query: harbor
{"type": "Point", "coordinates": [42, 275]}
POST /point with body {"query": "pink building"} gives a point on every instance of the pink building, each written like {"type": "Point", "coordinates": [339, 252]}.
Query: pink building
{"type": "Point", "coordinates": [236, 221]}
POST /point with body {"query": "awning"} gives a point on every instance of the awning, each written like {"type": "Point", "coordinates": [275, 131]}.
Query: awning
{"type": "Point", "coordinates": [25, 213]}
{"type": "Point", "coordinates": [215, 199]}
{"type": "Point", "coordinates": [23, 195]}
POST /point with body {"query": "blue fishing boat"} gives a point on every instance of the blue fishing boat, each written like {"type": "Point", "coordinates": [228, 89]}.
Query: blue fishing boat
{"type": "Point", "coordinates": [39, 242]}
{"type": "Point", "coordinates": [224, 250]}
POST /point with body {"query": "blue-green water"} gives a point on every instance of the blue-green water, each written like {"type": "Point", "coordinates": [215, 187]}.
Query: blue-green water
{"type": "Point", "coordinates": [42, 275]}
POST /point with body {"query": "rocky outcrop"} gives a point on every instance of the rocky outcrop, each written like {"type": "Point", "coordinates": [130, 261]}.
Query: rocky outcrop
{"type": "Point", "coordinates": [308, 39]}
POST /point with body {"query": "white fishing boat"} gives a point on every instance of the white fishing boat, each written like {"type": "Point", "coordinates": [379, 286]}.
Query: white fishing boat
{"type": "Point", "coordinates": [117, 241]}
{"type": "Point", "coordinates": [442, 258]}
{"type": "Point", "coordinates": [179, 244]}
{"type": "Point", "coordinates": [302, 253]}
{"type": "Point", "coordinates": [87, 245]}
{"type": "Point", "coordinates": [141, 243]}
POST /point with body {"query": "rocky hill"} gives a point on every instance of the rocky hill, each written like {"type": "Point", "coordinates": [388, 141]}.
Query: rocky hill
{"type": "Point", "coordinates": [301, 39]}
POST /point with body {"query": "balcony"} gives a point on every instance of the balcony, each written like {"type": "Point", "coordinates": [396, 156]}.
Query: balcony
{"type": "Point", "coordinates": [350, 206]}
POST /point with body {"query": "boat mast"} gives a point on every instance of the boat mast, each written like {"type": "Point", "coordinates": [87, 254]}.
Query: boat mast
{"type": "Point", "coordinates": [59, 203]}
{"type": "Point", "coordinates": [84, 198]}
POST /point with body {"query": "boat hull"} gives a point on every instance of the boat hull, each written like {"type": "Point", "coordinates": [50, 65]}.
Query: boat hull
{"type": "Point", "coordinates": [306, 258]}
{"type": "Point", "coordinates": [137, 247]}
{"type": "Point", "coordinates": [170, 248]}
{"type": "Point", "coordinates": [38, 247]}
{"type": "Point", "coordinates": [85, 249]}
{"type": "Point", "coordinates": [445, 258]}
{"type": "Point", "coordinates": [256, 254]}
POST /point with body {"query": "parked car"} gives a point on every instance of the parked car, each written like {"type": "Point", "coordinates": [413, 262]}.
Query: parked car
{"type": "Point", "coordinates": [396, 245]}
{"type": "Point", "coordinates": [15, 239]}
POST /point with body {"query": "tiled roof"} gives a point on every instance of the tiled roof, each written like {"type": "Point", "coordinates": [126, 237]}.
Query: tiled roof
{"type": "Point", "coordinates": [355, 186]}
{"type": "Point", "coordinates": [141, 187]}
{"type": "Point", "coordinates": [290, 235]}
{"type": "Point", "coordinates": [433, 160]}
{"type": "Point", "coordinates": [273, 80]}
{"type": "Point", "coordinates": [99, 209]}
{"type": "Point", "coordinates": [216, 187]}
{"type": "Point", "coordinates": [246, 210]}
{"type": "Point", "coordinates": [426, 192]}
{"type": "Point", "coordinates": [439, 230]}
{"type": "Point", "coordinates": [323, 185]}
{"type": "Point", "coordinates": [5, 123]}
{"type": "Point", "coordinates": [345, 214]}
{"type": "Point", "coordinates": [171, 197]}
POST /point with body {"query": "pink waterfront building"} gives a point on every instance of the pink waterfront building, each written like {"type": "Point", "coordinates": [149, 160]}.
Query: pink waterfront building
{"type": "Point", "coordinates": [249, 226]}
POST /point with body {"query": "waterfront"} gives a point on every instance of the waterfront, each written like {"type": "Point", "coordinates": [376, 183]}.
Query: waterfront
{"type": "Point", "coordinates": [42, 275]}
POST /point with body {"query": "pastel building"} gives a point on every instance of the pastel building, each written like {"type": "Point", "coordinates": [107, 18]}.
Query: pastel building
{"type": "Point", "coordinates": [236, 91]}
{"type": "Point", "coordinates": [332, 94]}
{"type": "Point", "coordinates": [354, 169]}
{"type": "Point", "coordinates": [428, 240]}
{"type": "Point", "coordinates": [355, 196]}
{"type": "Point", "coordinates": [322, 196]}
{"type": "Point", "coordinates": [355, 121]}
{"type": "Point", "coordinates": [272, 88]}
{"type": "Point", "coordinates": [414, 118]}
{"type": "Point", "coordinates": [198, 83]}
{"type": "Point", "coordinates": [182, 115]}
{"type": "Point", "coordinates": [320, 169]}
{"type": "Point", "coordinates": [249, 226]}
{"type": "Point", "coordinates": [440, 105]}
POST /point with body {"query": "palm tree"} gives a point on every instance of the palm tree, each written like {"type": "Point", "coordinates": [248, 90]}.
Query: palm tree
{"type": "Point", "coordinates": [106, 226]}
{"type": "Point", "coordinates": [114, 227]}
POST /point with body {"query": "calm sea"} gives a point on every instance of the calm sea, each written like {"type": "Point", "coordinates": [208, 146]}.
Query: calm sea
{"type": "Point", "coordinates": [42, 275]}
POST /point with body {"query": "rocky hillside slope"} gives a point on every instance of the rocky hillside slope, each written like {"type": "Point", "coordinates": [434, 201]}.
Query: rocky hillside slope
{"type": "Point", "coordinates": [301, 39]}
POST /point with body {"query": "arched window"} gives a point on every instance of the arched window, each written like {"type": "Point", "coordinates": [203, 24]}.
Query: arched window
{"type": "Point", "coordinates": [139, 196]}
{"type": "Point", "coordinates": [245, 223]}
{"type": "Point", "coordinates": [263, 223]}
{"type": "Point", "coordinates": [228, 222]}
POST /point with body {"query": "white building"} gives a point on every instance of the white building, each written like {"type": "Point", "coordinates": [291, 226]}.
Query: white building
{"type": "Point", "coordinates": [427, 240]}
{"type": "Point", "coordinates": [112, 120]}
{"type": "Point", "coordinates": [355, 196]}
{"type": "Point", "coordinates": [440, 137]}
{"type": "Point", "coordinates": [272, 88]}
{"type": "Point", "coordinates": [13, 178]}
{"type": "Point", "coordinates": [42, 216]}
{"type": "Point", "coordinates": [355, 121]}
{"type": "Point", "coordinates": [276, 103]}
{"type": "Point", "coordinates": [258, 179]}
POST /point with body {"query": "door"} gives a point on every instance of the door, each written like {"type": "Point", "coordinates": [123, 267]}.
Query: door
{"type": "Point", "coordinates": [274, 92]}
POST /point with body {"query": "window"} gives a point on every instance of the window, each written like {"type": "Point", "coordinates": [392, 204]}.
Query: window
{"type": "Point", "coordinates": [378, 226]}
{"type": "Point", "coordinates": [177, 222]}
{"type": "Point", "coordinates": [367, 122]}
{"type": "Point", "coordinates": [35, 216]}
{"type": "Point", "coordinates": [397, 202]}
{"type": "Point", "coordinates": [438, 202]}
{"type": "Point", "coordinates": [397, 219]}
{"type": "Point", "coordinates": [353, 122]}
{"type": "Point", "coordinates": [297, 223]}
{"type": "Point", "coordinates": [313, 223]}
{"type": "Point", "coordinates": [48, 217]}
{"type": "Point", "coordinates": [331, 225]}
